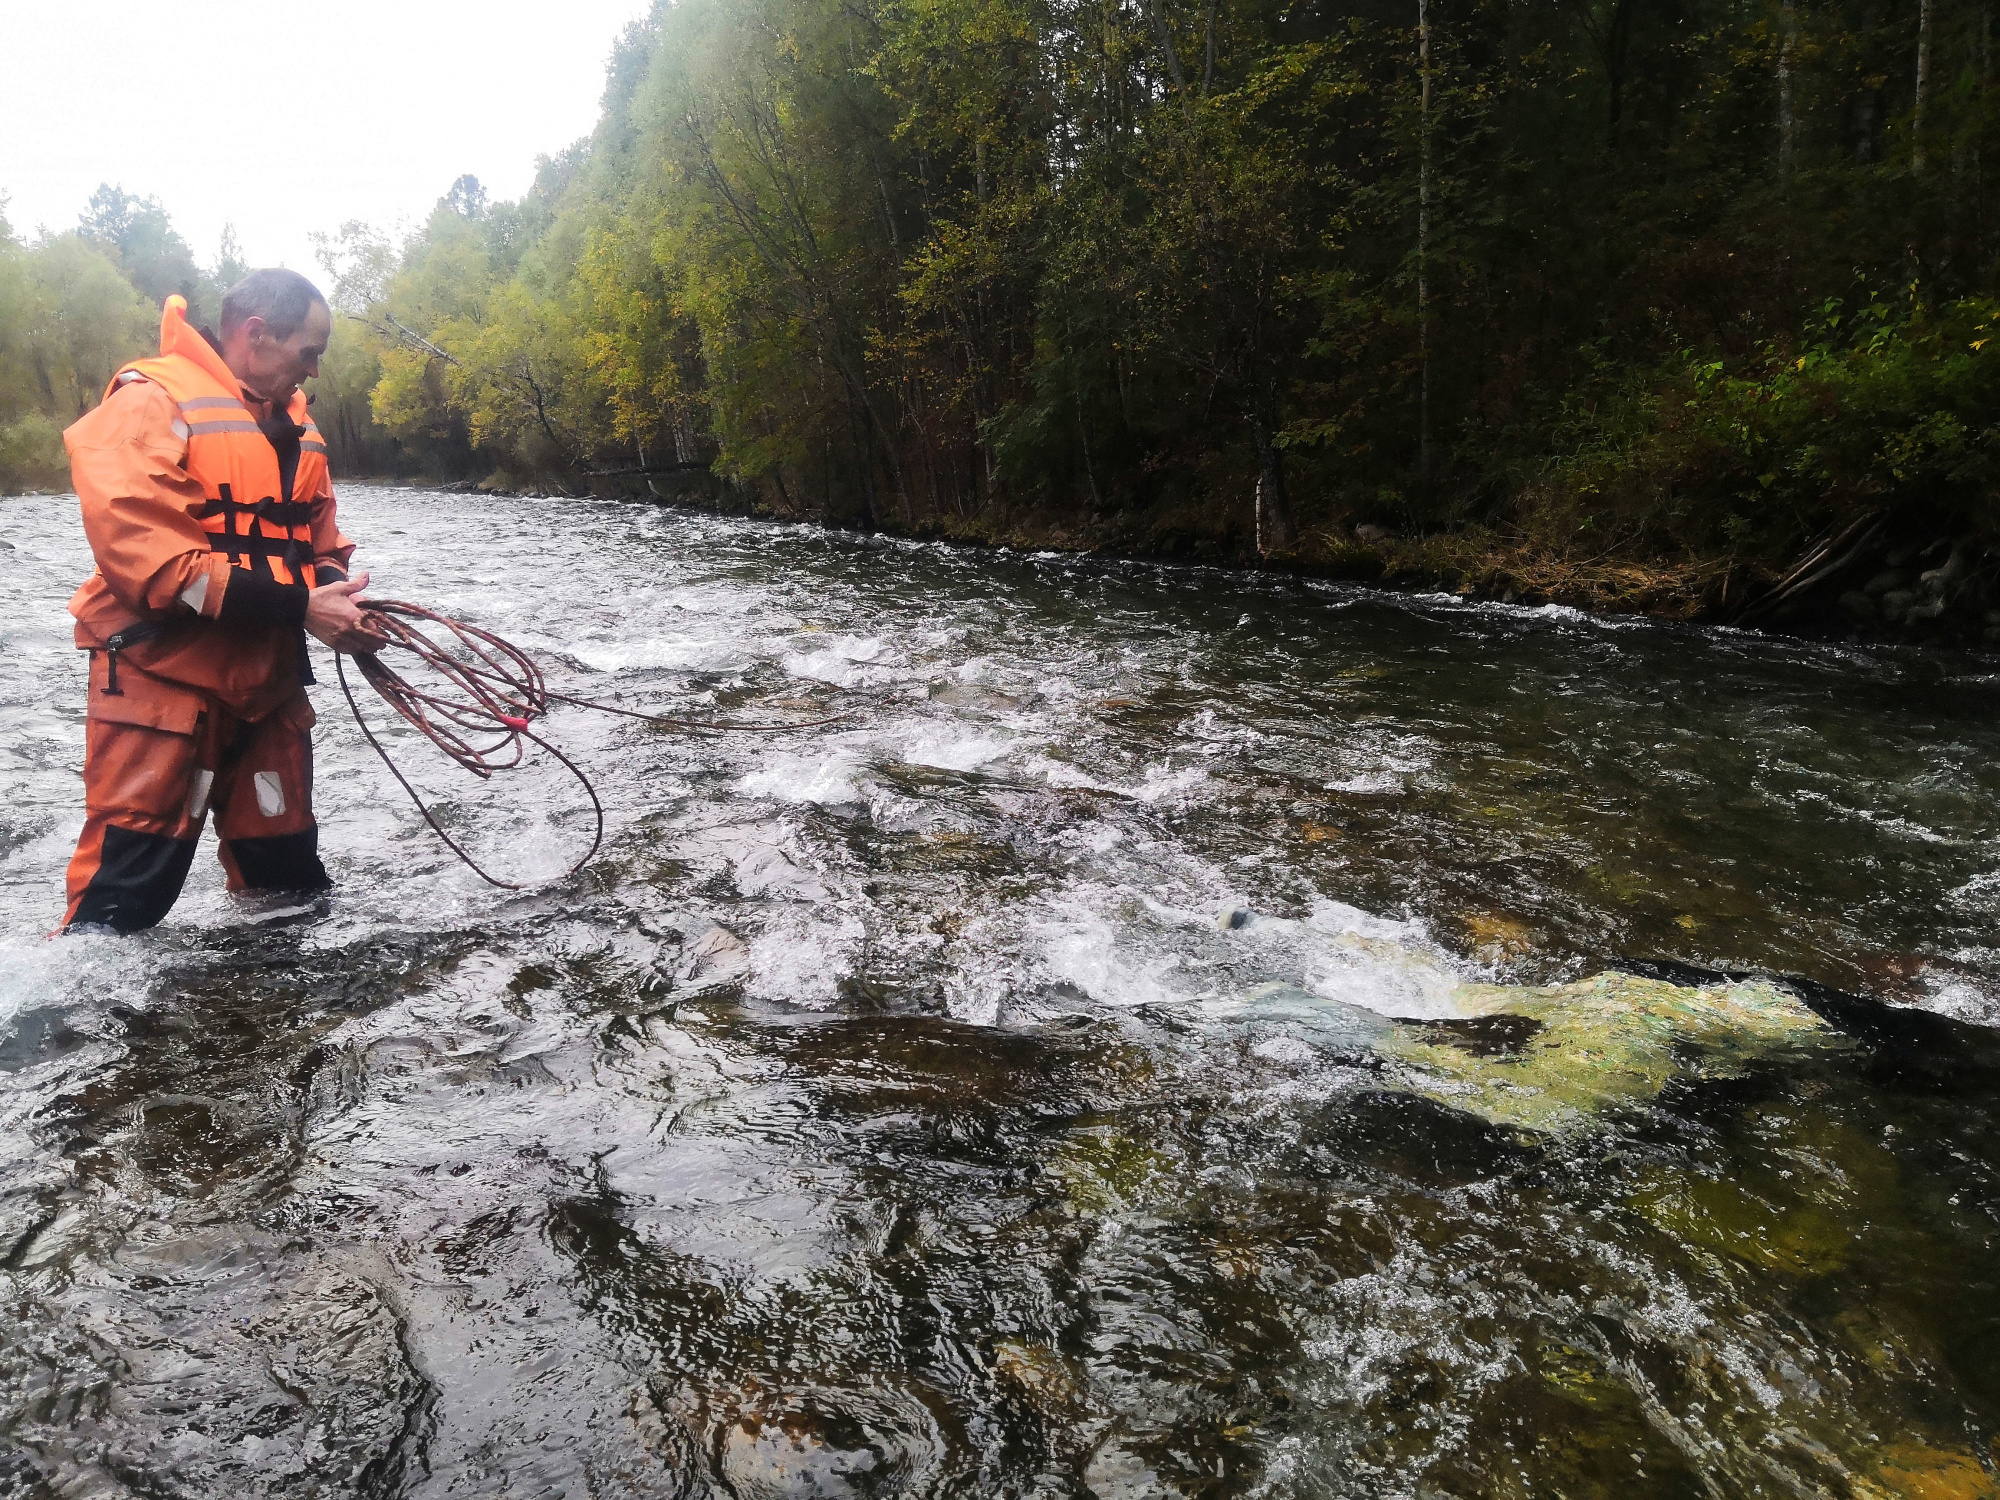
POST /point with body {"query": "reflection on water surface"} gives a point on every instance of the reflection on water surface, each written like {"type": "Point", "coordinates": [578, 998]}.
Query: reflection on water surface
{"type": "Point", "coordinates": [1184, 1034]}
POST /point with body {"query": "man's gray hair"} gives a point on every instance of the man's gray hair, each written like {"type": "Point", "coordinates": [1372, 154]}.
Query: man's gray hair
{"type": "Point", "coordinates": [282, 298]}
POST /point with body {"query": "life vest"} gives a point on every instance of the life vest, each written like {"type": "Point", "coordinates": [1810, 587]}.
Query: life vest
{"type": "Point", "coordinates": [248, 511]}
{"type": "Point", "coordinates": [247, 514]}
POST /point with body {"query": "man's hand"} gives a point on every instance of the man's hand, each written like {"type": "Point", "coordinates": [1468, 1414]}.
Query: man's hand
{"type": "Point", "coordinates": [333, 615]}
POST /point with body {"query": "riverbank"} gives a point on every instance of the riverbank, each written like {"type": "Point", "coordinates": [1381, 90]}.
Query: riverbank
{"type": "Point", "coordinates": [1872, 578]}
{"type": "Point", "coordinates": [1867, 579]}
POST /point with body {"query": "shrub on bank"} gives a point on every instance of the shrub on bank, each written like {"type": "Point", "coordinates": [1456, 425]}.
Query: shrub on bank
{"type": "Point", "coordinates": [31, 456]}
{"type": "Point", "coordinates": [1881, 406]}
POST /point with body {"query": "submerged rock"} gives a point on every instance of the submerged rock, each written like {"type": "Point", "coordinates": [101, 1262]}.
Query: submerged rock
{"type": "Point", "coordinates": [1801, 1239]}
{"type": "Point", "coordinates": [1913, 1470]}
{"type": "Point", "coordinates": [1049, 1381]}
{"type": "Point", "coordinates": [1497, 937]}
{"type": "Point", "coordinates": [1797, 1205]}
{"type": "Point", "coordinates": [1614, 1039]}
{"type": "Point", "coordinates": [1896, 603]}
{"type": "Point", "coordinates": [1330, 1022]}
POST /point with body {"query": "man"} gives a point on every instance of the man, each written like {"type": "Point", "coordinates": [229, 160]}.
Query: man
{"type": "Point", "coordinates": [204, 489]}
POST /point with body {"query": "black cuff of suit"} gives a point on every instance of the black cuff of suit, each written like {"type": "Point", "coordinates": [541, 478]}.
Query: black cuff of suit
{"type": "Point", "coordinates": [253, 599]}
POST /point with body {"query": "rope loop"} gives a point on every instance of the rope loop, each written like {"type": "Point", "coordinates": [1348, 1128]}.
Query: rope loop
{"type": "Point", "coordinates": [480, 715]}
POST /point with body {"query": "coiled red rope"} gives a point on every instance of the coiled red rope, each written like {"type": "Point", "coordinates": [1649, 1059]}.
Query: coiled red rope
{"type": "Point", "coordinates": [480, 715]}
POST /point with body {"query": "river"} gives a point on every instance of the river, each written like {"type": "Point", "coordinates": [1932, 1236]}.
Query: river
{"type": "Point", "coordinates": [1176, 1036]}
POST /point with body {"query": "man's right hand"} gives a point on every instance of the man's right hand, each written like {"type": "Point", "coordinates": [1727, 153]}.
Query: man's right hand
{"type": "Point", "coordinates": [333, 615]}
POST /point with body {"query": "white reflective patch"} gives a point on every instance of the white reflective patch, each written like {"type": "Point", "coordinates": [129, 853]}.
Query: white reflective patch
{"type": "Point", "coordinates": [126, 377]}
{"type": "Point", "coordinates": [270, 794]}
{"type": "Point", "coordinates": [180, 429]}
{"type": "Point", "coordinates": [198, 798]}
{"type": "Point", "coordinates": [195, 595]}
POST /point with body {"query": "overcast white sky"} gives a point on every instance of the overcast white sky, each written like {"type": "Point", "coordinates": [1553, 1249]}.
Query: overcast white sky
{"type": "Point", "coordinates": [282, 119]}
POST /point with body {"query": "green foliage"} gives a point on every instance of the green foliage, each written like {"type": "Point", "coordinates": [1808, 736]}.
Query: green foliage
{"type": "Point", "coordinates": [31, 454]}
{"type": "Point", "coordinates": [68, 319]}
{"type": "Point", "coordinates": [136, 234]}
{"type": "Point", "coordinates": [1878, 404]}
{"type": "Point", "coordinates": [1579, 277]}
{"type": "Point", "coordinates": [931, 261]}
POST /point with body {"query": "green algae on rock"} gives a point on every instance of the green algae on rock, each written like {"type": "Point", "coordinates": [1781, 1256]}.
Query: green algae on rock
{"type": "Point", "coordinates": [1613, 1039]}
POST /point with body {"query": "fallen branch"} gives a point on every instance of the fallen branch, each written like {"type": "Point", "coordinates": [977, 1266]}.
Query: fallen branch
{"type": "Point", "coordinates": [644, 470]}
{"type": "Point", "coordinates": [408, 336]}
{"type": "Point", "coordinates": [1820, 547]}
{"type": "Point", "coordinates": [1787, 588]}
{"type": "Point", "coordinates": [403, 333]}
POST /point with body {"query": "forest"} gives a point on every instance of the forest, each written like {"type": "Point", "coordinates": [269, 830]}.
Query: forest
{"type": "Point", "coordinates": [1677, 305]}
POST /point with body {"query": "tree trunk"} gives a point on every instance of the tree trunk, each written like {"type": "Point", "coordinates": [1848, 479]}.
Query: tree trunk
{"type": "Point", "coordinates": [1787, 114]}
{"type": "Point", "coordinates": [1274, 522]}
{"type": "Point", "coordinates": [1923, 85]}
{"type": "Point", "coordinates": [1976, 145]}
{"type": "Point", "coordinates": [1424, 243]}
{"type": "Point", "coordinates": [1089, 467]}
{"type": "Point", "coordinates": [1164, 40]}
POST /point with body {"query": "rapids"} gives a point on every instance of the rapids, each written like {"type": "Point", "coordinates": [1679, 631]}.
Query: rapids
{"type": "Point", "coordinates": [1184, 1033]}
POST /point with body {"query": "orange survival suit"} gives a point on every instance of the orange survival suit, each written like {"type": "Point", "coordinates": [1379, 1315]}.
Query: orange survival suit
{"type": "Point", "coordinates": [211, 518]}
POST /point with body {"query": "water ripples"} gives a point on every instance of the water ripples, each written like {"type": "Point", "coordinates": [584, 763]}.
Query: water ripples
{"type": "Point", "coordinates": [1079, 1072]}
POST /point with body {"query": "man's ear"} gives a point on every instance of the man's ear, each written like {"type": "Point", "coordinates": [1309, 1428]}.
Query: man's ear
{"type": "Point", "coordinates": [255, 330]}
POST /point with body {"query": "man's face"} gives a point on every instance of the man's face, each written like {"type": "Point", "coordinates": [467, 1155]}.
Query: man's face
{"type": "Point", "coordinates": [272, 367]}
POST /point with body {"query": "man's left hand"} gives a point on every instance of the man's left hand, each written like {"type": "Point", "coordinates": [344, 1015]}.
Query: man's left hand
{"type": "Point", "coordinates": [334, 616]}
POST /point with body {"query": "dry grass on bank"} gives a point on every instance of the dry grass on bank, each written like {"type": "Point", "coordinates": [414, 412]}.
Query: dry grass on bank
{"type": "Point", "coordinates": [1484, 564]}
